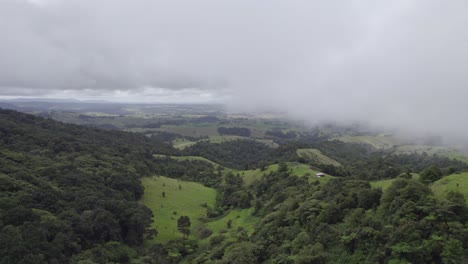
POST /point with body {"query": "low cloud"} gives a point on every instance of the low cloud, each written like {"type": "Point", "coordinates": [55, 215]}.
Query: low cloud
{"type": "Point", "coordinates": [397, 63]}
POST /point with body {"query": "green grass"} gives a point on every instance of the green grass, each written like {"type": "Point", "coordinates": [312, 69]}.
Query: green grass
{"type": "Point", "coordinates": [182, 158]}
{"type": "Point", "coordinates": [379, 142]}
{"type": "Point", "coordinates": [240, 218]}
{"type": "Point", "coordinates": [186, 201]}
{"type": "Point", "coordinates": [191, 130]}
{"type": "Point", "coordinates": [297, 169]}
{"type": "Point", "coordinates": [316, 156]}
{"type": "Point", "coordinates": [432, 150]}
{"type": "Point", "coordinates": [384, 184]}
{"type": "Point", "coordinates": [455, 182]}
{"type": "Point", "coordinates": [181, 143]}
{"type": "Point", "coordinates": [249, 176]}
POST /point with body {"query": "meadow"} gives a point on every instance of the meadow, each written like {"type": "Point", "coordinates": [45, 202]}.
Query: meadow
{"type": "Point", "coordinates": [315, 155]}
{"type": "Point", "coordinates": [188, 200]}
{"type": "Point", "coordinates": [455, 182]}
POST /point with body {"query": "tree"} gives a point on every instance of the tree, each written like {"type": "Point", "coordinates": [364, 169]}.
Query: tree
{"type": "Point", "coordinates": [183, 225]}
{"type": "Point", "coordinates": [431, 175]}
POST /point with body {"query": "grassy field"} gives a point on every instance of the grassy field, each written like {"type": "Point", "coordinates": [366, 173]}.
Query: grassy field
{"type": "Point", "coordinates": [241, 218]}
{"type": "Point", "coordinates": [191, 130]}
{"type": "Point", "coordinates": [432, 150]}
{"type": "Point", "coordinates": [181, 158]}
{"type": "Point", "coordinates": [249, 176]}
{"type": "Point", "coordinates": [188, 201]}
{"type": "Point", "coordinates": [454, 182]}
{"type": "Point", "coordinates": [297, 169]}
{"type": "Point", "coordinates": [315, 155]}
{"type": "Point", "coordinates": [185, 201]}
{"type": "Point", "coordinates": [189, 197]}
{"type": "Point", "coordinates": [183, 143]}
{"type": "Point", "coordinates": [379, 142]}
{"type": "Point", "coordinates": [384, 184]}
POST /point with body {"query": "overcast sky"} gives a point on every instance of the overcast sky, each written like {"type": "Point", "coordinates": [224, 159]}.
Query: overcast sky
{"type": "Point", "coordinates": [397, 63]}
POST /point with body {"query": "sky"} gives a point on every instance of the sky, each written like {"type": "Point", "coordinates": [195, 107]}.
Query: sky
{"type": "Point", "coordinates": [401, 63]}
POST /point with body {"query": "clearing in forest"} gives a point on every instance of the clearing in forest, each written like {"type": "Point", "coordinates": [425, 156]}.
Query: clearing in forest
{"type": "Point", "coordinates": [188, 200]}
{"type": "Point", "coordinates": [315, 156]}
{"type": "Point", "coordinates": [454, 182]}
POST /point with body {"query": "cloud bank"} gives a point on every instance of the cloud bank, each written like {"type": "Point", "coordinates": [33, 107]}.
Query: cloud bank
{"type": "Point", "coordinates": [392, 63]}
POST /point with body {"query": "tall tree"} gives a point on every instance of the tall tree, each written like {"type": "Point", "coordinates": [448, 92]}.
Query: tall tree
{"type": "Point", "coordinates": [183, 225]}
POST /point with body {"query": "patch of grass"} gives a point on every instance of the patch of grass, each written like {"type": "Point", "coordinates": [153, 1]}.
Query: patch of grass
{"type": "Point", "coordinates": [177, 202]}
{"type": "Point", "coordinates": [181, 143]}
{"type": "Point", "coordinates": [378, 142]}
{"type": "Point", "coordinates": [240, 218]}
{"type": "Point", "coordinates": [384, 184]}
{"type": "Point", "coordinates": [316, 156]}
{"type": "Point", "coordinates": [249, 176]}
{"type": "Point", "coordinates": [191, 130]}
{"type": "Point", "coordinates": [455, 182]}
{"type": "Point", "coordinates": [181, 158]}
{"type": "Point", "coordinates": [432, 150]}
{"type": "Point", "coordinates": [297, 169]}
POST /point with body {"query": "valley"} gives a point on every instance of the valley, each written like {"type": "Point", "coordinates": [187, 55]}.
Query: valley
{"type": "Point", "coordinates": [245, 184]}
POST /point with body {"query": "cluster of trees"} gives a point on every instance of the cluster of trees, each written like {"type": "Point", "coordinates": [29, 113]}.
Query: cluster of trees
{"type": "Point", "coordinates": [236, 131]}
{"type": "Point", "coordinates": [233, 194]}
{"type": "Point", "coordinates": [236, 154]}
{"type": "Point", "coordinates": [189, 170]}
{"type": "Point", "coordinates": [278, 133]}
{"type": "Point", "coordinates": [347, 221]}
{"type": "Point", "coordinates": [70, 193]}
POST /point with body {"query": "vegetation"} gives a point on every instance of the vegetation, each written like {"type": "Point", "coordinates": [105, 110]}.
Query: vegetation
{"type": "Point", "coordinates": [75, 194]}
{"type": "Point", "coordinates": [68, 190]}
{"type": "Point", "coordinates": [453, 183]}
{"type": "Point", "coordinates": [237, 131]}
{"type": "Point", "coordinates": [316, 157]}
{"type": "Point", "coordinates": [240, 154]}
{"type": "Point", "coordinates": [190, 199]}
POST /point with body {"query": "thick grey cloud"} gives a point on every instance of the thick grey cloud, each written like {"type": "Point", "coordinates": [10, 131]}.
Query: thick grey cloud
{"type": "Point", "coordinates": [393, 63]}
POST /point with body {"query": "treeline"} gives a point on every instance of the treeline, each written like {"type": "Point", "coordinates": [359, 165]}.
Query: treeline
{"type": "Point", "coordinates": [236, 131]}
{"type": "Point", "coordinates": [189, 170]}
{"type": "Point", "coordinates": [69, 193]}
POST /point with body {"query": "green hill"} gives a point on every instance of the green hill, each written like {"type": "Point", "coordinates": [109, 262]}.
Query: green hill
{"type": "Point", "coordinates": [66, 189]}
{"type": "Point", "coordinates": [315, 156]}
{"type": "Point", "coordinates": [379, 142]}
{"type": "Point", "coordinates": [190, 199]}
{"type": "Point", "coordinates": [455, 182]}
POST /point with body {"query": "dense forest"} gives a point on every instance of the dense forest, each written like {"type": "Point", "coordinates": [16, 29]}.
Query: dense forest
{"type": "Point", "coordinates": [70, 192]}
{"type": "Point", "coordinates": [346, 221]}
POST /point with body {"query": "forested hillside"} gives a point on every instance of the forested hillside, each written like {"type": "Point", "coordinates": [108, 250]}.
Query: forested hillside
{"type": "Point", "coordinates": [70, 192]}
{"type": "Point", "coordinates": [347, 221]}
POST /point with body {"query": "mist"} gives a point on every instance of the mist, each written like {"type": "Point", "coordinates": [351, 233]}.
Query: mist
{"type": "Point", "coordinates": [396, 64]}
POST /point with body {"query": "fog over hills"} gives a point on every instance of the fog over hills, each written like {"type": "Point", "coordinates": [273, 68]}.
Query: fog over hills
{"type": "Point", "coordinates": [397, 64]}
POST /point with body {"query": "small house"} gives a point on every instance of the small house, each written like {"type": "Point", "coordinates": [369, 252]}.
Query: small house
{"type": "Point", "coordinates": [320, 174]}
